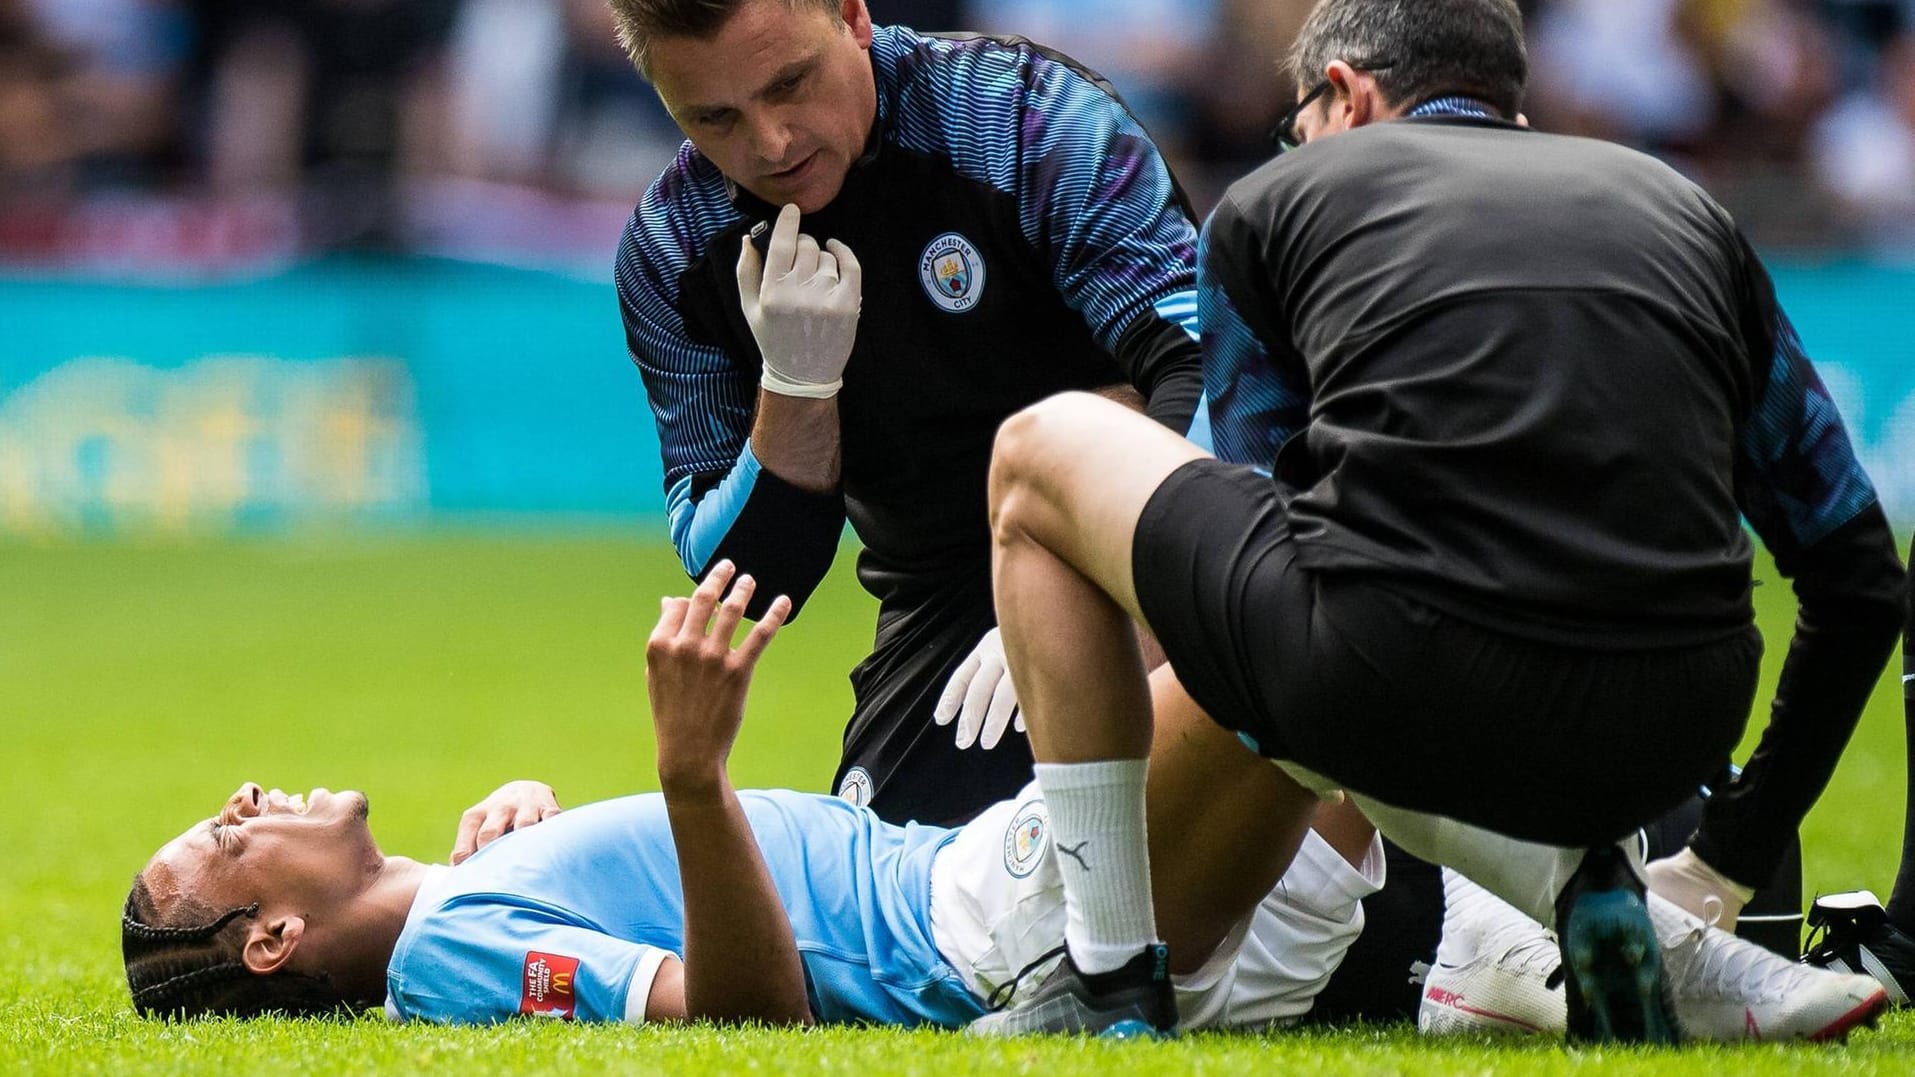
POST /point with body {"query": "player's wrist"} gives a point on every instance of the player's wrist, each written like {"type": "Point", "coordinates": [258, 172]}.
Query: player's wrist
{"type": "Point", "coordinates": [774, 382]}
{"type": "Point", "coordinates": [1693, 884]}
{"type": "Point", "coordinates": [692, 782]}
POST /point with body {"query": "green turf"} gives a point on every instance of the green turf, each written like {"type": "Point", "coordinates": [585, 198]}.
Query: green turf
{"type": "Point", "coordinates": [140, 684]}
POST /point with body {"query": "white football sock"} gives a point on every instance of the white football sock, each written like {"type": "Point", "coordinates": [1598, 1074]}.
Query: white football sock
{"type": "Point", "coordinates": [1466, 907]}
{"type": "Point", "coordinates": [1099, 843]}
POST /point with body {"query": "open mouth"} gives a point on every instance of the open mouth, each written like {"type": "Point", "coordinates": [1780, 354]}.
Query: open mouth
{"type": "Point", "coordinates": [294, 803]}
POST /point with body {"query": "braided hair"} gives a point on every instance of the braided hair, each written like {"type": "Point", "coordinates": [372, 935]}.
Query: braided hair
{"type": "Point", "coordinates": [196, 969]}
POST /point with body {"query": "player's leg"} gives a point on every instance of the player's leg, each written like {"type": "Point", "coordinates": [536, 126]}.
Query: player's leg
{"type": "Point", "coordinates": [1406, 924]}
{"type": "Point", "coordinates": [1381, 978]}
{"type": "Point", "coordinates": [997, 892]}
{"type": "Point", "coordinates": [1494, 969]}
{"type": "Point", "coordinates": [1529, 875]}
{"type": "Point", "coordinates": [997, 913]}
{"type": "Point", "coordinates": [1210, 799]}
{"type": "Point", "coordinates": [1497, 973]}
{"type": "Point", "coordinates": [1069, 487]}
{"type": "Point", "coordinates": [1069, 479]}
{"type": "Point", "coordinates": [1273, 967]}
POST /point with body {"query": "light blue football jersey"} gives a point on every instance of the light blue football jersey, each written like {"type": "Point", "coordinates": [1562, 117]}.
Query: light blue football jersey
{"type": "Point", "coordinates": [557, 919]}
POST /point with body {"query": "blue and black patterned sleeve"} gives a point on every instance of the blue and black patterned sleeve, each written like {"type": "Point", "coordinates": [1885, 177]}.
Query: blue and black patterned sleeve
{"type": "Point", "coordinates": [1797, 477]}
{"type": "Point", "coordinates": [1805, 494]}
{"type": "Point", "coordinates": [1094, 197]}
{"type": "Point", "coordinates": [702, 399]}
{"type": "Point", "coordinates": [720, 502]}
{"type": "Point", "coordinates": [1098, 197]}
{"type": "Point", "coordinates": [1256, 402]}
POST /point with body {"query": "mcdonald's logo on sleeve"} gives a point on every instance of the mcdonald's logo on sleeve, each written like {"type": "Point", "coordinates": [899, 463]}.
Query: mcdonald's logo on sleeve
{"type": "Point", "coordinates": [549, 985]}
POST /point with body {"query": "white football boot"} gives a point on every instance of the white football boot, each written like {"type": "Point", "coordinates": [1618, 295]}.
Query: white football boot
{"type": "Point", "coordinates": [1727, 988]}
{"type": "Point", "coordinates": [1496, 973]}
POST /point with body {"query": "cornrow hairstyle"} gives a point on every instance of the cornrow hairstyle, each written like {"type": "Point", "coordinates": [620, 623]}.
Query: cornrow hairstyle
{"type": "Point", "coordinates": [188, 970]}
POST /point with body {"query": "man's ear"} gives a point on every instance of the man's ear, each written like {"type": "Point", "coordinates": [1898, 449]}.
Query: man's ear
{"type": "Point", "coordinates": [857, 18]}
{"type": "Point", "coordinates": [1352, 92]}
{"type": "Point", "coordinates": [270, 945]}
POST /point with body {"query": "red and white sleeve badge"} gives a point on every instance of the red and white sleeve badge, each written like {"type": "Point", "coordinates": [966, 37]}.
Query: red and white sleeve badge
{"type": "Point", "coordinates": [549, 987]}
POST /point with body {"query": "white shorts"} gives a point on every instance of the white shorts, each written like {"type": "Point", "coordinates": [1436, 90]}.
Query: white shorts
{"type": "Point", "coordinates": [997, 906]}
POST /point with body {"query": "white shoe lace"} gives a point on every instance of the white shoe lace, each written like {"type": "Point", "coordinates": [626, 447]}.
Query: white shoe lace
{"type": "Point", "coordinates": [1533, 953]}
{"type": "Point", "coordinates": [1691, 884]}
{"type": "Point", "coordinates": [1712, 910]}
{"type": "Point", "coordinates": [1703, 961]}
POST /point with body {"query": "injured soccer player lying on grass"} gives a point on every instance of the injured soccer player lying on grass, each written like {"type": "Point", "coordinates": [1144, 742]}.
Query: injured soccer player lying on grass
{"type": "Point", "coordinates": [702, 902]}
{"type": "Point", "coordinates": [788, 907]}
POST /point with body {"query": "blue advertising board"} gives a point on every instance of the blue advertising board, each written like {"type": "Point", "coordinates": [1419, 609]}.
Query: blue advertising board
{"type": "Point", "coordinates": [364, 392]}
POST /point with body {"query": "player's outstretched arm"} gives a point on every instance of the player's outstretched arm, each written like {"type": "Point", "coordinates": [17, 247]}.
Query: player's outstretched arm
{"type": "Point", "coordinates": [741, 961]}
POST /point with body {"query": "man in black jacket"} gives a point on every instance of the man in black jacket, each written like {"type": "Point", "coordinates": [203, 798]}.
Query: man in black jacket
{"type": "Point", "coordinates": [1516, 393]}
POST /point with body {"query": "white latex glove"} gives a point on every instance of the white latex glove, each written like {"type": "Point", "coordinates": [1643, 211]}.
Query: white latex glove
{"type": "Point", "coordinates": [980, 696]}
{"type": "Point", "coordinates": [1687, 880]}
{"type": "Point", "coordinates": [802, 305]}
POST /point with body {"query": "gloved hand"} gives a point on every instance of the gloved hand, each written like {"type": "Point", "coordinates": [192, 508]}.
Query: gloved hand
{"type": "Point", "coordinates": [802, 305]}
{"type": "Point", "coordinates": [980, 696]}
{"type": "Point", "coordinates": [1688, 880]}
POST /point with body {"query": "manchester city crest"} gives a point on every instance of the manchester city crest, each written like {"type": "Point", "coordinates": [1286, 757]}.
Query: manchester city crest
{"type": "Point", "coordinates": [1026, 839]}
{"type": "Point", "coordinates": [856, 786]}
{"type": "Point", "coordinates": [952, 272]}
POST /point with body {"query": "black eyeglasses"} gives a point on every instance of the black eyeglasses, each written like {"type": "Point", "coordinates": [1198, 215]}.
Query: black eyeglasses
{"type": "Point", "coordinates": [1284, 134]}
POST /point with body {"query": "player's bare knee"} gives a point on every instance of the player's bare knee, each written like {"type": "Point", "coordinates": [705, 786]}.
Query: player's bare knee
{"type": "Point", "coordinates": [1009, 459]}
{"type": "Point", "coordinates": [1026, 438]}
{"type": "Point", "coordinates": [1032, 448]}
{"type": "Point", "coordinates": [1017, 455]}
{"type": "Point", "coordinates": [1012, 498]}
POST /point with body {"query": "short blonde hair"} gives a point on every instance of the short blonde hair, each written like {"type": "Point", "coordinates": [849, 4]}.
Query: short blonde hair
{"type": "Point", "coordinates": [641, 21]}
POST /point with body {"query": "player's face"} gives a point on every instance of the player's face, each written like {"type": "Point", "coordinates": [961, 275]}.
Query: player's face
{"type": "Point", "coordinates": [264, 846]}
{"type": "Point", "coordinates": [781, 99]}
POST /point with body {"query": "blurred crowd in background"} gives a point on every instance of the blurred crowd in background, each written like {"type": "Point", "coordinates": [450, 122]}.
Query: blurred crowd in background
{"type": "Point", "coordinates": [235, 132]}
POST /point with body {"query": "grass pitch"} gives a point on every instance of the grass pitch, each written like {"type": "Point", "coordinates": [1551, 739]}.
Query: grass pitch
{"type": "Point", "coordinates": [140, 684]}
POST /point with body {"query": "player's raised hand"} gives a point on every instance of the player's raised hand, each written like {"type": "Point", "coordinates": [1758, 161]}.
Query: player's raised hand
{"type": "Point", "coordinates": [512, 806]}
{"type": "Point", "coordinates": [980, 696]}
{"type": "Point", "coordinates": [802, 305]}
{"type": "Point", "coordinates": [697, 680]}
